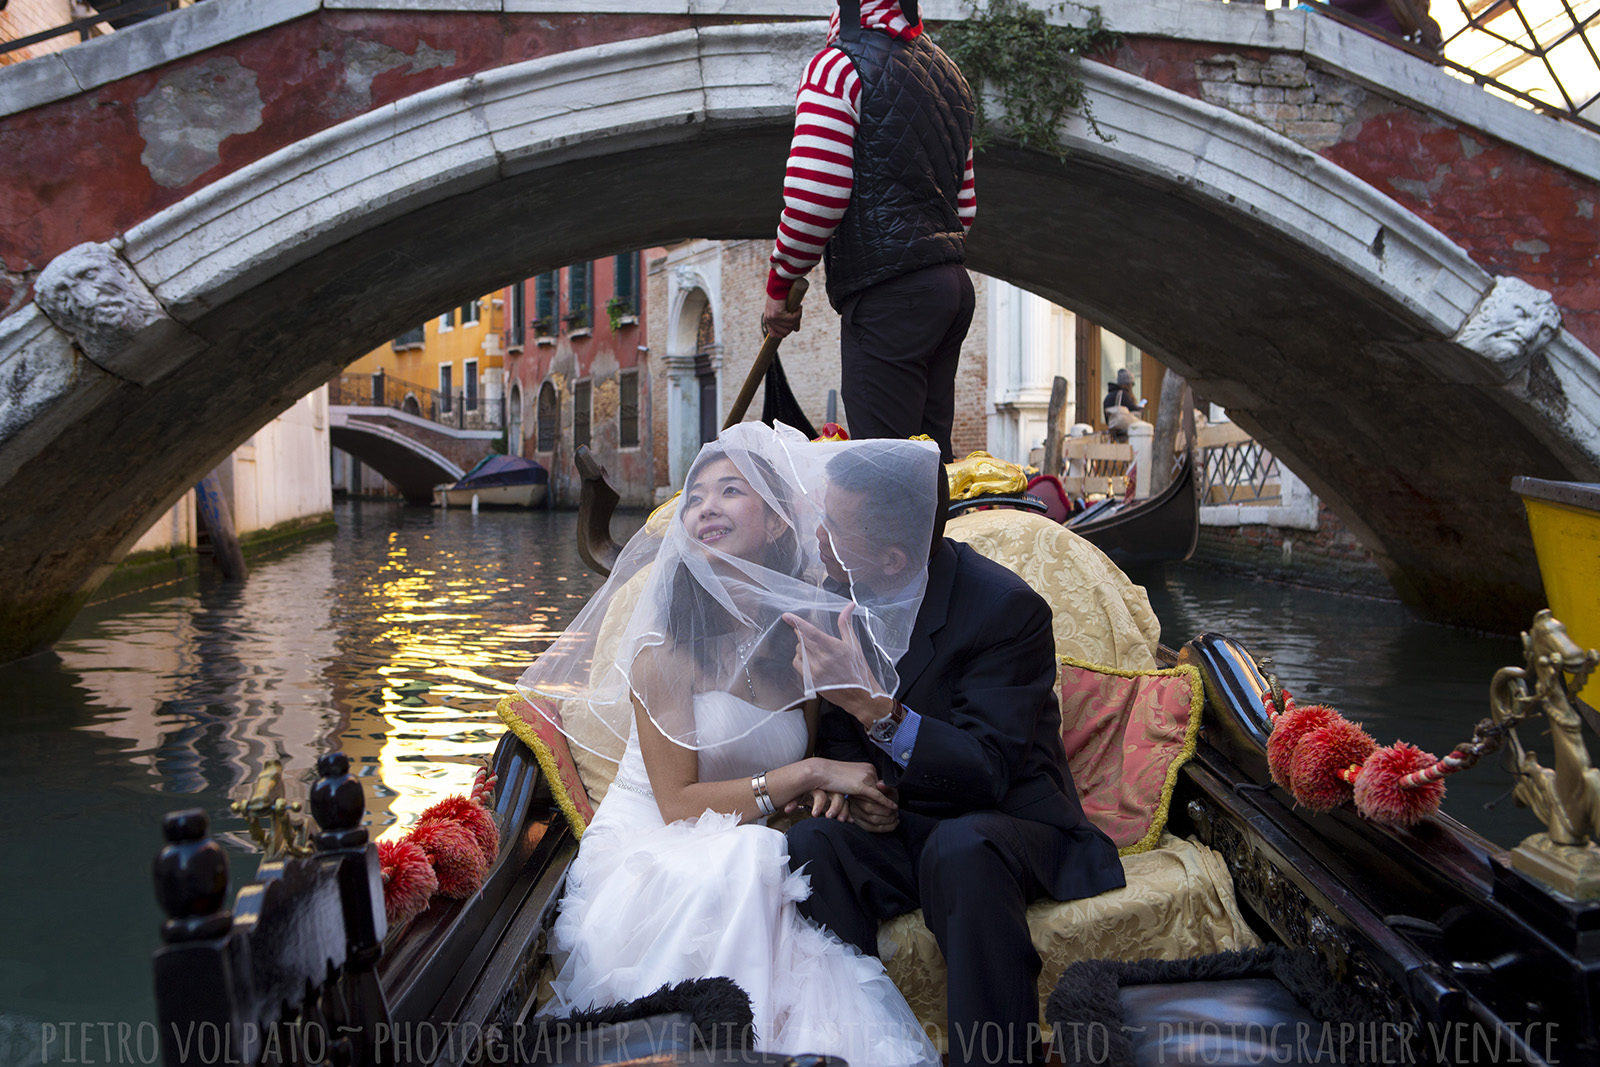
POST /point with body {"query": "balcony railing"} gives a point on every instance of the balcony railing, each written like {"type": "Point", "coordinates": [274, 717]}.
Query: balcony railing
{"type": "Point", "coordinates": [458, 409]}
{"type": "Point", "coordinates": [1238, 469]}
{"type": "Point", "coordinates": [107, 15]}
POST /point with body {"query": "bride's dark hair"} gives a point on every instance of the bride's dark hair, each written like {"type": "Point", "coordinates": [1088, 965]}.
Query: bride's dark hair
{"type": "Point", "coordinates": [706, 617]}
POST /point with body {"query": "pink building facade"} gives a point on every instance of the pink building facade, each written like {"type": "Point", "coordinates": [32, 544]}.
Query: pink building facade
{"type": "Point", "coordinates": [578, 373]}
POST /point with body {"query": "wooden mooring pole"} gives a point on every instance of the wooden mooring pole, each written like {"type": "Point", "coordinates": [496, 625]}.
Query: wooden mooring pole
{"type": "Point", "coordinates": [216, 519]}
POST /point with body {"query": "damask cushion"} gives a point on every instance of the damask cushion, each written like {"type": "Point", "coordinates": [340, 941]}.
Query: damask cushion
{"type": "Point", "coordinates": [1100, 616]}
{"type": "Point", "coordinates": [1127, 733]}
{"type": "Point", "coordinates": [1178, 902]}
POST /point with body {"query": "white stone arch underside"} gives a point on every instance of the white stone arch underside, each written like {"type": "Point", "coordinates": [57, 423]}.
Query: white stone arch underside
{"type": "Point", "coordinates": [1288, 290]}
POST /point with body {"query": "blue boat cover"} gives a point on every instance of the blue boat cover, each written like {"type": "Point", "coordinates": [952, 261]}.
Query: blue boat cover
{"type": "Point", "coordinates": [503, 470]}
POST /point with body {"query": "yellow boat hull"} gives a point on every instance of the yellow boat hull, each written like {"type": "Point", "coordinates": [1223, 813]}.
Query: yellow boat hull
{"type": "Point", "coordinates": [1564, 518]}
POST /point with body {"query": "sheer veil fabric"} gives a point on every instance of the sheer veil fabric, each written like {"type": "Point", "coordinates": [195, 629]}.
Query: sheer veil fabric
{"type": "Point", "coordinates": [704, 598]}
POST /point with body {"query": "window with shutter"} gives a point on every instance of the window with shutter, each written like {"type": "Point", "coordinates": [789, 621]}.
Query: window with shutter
{"type": "Point", "coordinates": [628, 409]}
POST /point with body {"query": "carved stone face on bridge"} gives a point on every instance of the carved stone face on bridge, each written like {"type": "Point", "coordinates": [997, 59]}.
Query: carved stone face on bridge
{"type": "Point", "coordinates": [1513, 322]}
{"type": "Point", "coordinates": [92, 294]}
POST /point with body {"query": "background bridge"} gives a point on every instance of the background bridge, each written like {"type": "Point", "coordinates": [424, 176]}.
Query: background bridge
{"type": "Point", "coordinates": [1386, 274]}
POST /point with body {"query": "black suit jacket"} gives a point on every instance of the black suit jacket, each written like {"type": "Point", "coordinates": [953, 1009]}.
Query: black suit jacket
{"type": "Point", "coordinates": [980, 671]}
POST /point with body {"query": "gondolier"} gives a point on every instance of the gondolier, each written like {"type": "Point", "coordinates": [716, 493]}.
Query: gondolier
{"type": "Point", "coordinates": [879, 184]}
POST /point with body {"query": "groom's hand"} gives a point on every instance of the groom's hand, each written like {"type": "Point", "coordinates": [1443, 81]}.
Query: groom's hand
{"type": "Point", "coordinates": [868, 814]}
{"type": "Point", "coordinates": [837, 659]}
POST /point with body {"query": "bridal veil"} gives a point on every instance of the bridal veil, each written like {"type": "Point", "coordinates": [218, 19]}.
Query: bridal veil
{"type": "Point", "coordinates": [720, 615]}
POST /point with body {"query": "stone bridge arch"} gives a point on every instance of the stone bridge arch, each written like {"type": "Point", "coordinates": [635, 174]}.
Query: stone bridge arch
{"type": "Point", "coordinates": [411, 453]}
{"type": "Point", "coordinates": [1338, 323]}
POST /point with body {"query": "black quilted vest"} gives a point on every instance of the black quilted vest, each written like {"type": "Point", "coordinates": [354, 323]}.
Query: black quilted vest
{"type": "Point", "coordinates": [910, 156]}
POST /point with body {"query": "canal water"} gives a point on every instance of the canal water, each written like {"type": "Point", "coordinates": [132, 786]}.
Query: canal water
{"type": "Point", "coordinates": [393, 641]}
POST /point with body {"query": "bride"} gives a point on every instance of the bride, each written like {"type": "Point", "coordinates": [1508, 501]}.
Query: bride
{"type": "Point", "coordinates": [678, 876]}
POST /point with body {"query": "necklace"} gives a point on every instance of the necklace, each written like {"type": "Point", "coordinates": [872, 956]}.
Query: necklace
{"type": "Point", "coordinates": [744, 660]}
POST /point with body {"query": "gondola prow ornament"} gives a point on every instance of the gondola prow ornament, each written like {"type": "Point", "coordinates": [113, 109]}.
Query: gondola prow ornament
{"type": "Point", "coordinates": [1565, 796]}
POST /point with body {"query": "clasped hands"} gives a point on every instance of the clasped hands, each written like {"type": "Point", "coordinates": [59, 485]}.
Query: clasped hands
{"type": "Point", "coordinates": [859, 795]}
{"type": "Point", "coordinates": [850, 792]}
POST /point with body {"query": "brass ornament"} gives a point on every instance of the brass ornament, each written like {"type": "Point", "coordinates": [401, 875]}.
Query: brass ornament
{"type": "Point", "coordinates": [269, 814]}
{"type": "Point", "coordinates": [981, 474]}
{"type": "Point", "coordinates": [1565, 796]}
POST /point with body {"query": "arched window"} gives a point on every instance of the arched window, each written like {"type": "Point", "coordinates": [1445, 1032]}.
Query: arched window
{"type": "Point", "coordinates": [549, 417]}
{"type": "Point", "coordinates": [410, 405]}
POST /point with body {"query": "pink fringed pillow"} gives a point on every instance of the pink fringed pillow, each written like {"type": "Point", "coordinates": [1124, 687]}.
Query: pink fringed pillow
{"type": "Point", "coordinates": [1126, 734]}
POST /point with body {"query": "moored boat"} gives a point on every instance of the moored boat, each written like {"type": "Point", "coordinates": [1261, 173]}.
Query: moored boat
{"type": "Point", "coordinates": [497, 481]}
{"type": "Point", "coordinates": [1462, 954]}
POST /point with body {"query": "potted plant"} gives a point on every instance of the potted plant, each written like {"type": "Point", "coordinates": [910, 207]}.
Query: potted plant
{"type": "Point", "coordinates": [578, 321]}
{"type": "Point", "coordinates": [621, 313]}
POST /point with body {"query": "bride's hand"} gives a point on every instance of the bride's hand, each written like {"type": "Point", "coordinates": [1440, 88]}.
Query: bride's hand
{"type": "Point", "coordinates": [852, 779]}
{"type": "Point", "coordinates": [824, 803]}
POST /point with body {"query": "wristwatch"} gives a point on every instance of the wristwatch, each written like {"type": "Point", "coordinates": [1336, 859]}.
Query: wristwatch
{"type": "Point", "coordinates": [882, 730]}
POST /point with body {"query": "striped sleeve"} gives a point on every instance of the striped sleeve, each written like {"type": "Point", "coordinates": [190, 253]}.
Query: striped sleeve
{"type": "Point", "coordinates": [967, 198]}
{"type": "Point", "coordinates": [821, 169]}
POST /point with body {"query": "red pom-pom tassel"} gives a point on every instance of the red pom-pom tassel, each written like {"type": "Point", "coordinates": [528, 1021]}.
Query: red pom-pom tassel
{"type": "Point", "coordinates": [1378, 794]}
{"type": "Point", "coordinates": [408, 880]}
{"type": "Point", "coordinates": [455, 855]}
{"type": "Point", "coordinates": [472, 817]}
{"type": "Point", "coordinates": [1286, 734]}
{"type": "Point", "coordinates": [1320, 757]}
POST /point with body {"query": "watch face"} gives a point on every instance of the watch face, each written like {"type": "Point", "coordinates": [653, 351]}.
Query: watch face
{"type": "Point", "coordinates": [883, 729]}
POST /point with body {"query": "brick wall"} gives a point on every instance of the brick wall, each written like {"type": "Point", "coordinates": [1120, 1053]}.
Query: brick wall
{"type": "Point", "coordinates": [1330, 558]}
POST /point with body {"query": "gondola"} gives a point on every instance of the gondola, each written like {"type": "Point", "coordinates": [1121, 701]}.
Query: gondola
{"type": "Point", "coordinates": [1459, 951]}
{"type": "Point", "coordinates": [1165, 528]}
{"type": "Point", "coordinates": [1162, 529]}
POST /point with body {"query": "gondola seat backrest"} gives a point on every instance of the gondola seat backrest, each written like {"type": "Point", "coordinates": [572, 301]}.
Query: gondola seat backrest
{"type": "Point", "coordinates": [1099, 614]}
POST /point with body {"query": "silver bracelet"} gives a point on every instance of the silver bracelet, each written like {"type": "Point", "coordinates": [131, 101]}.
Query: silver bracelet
{"type": "Point", "coordinates": [758, 786]}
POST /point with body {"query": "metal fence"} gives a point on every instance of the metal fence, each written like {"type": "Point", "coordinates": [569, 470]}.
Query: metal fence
{"type": "Point", "coordinates": [462, 410]}
{"type": "Point", "coordinates": [1237, 468]}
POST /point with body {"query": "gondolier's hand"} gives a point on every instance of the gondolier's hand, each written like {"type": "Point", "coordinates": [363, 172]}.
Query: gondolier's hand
{"type": "Point", "coordinates": [870, 815]}
{"type": "Point", "coordinates": [778, 320]}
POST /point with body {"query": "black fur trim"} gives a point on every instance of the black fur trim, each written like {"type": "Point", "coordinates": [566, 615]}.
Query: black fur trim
{"type": "Point", "coordinates": [1088, 990]}
{"type": "Point", "coordinates": [719, 1008]}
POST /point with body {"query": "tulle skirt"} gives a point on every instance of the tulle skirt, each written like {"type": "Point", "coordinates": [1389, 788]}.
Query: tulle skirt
{"type": "Point", "coordinates": [650, 904]}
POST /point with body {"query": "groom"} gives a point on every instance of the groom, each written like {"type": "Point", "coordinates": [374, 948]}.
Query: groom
{"type": "Point", "coordinates": [987, 818]}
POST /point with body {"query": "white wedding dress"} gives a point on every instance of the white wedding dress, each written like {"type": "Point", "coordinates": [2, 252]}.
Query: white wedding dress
{"type": "Point", "coordinates": [649, 904]}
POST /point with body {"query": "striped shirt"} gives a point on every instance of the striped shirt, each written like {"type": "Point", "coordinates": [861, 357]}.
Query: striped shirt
{"type": "Point", "coordinates": [821, 169]}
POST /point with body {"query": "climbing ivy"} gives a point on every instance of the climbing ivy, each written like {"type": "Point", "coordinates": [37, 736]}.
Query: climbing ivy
{"type": "Point", "coordinates": [1032, 64]}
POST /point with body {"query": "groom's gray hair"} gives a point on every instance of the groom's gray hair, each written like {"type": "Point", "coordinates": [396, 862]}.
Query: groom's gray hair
{"type": "Point", "coordinates": [895, 479]}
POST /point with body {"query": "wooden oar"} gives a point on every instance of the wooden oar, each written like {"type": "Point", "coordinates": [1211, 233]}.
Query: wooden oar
{"type": "Point", "coordinates": [758, 369]}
